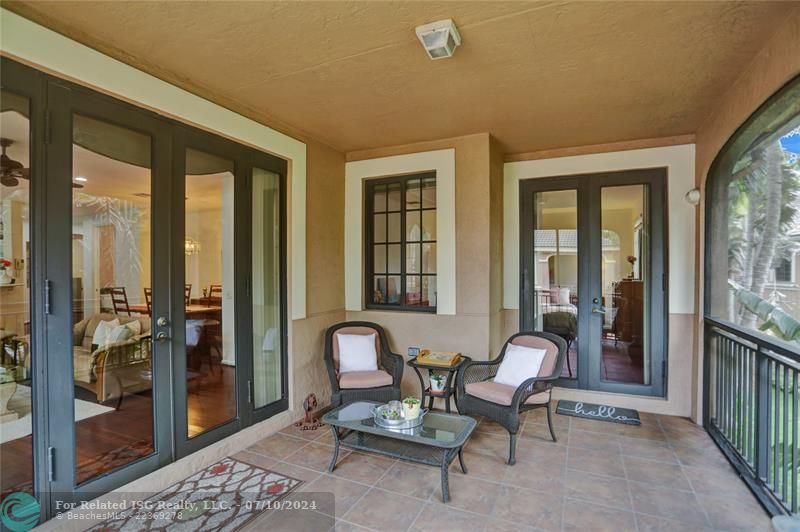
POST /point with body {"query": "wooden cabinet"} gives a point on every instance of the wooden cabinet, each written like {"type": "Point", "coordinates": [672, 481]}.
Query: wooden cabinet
{"type": "Point", "coordinates": [629, 326]}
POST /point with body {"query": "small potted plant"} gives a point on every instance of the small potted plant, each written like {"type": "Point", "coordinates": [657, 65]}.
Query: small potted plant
{"type": "Point", "coordinates": [5, 277]}
{"type": "Point", "coordinates": [411, 407]}
{"type": "Point", "coordinates": [437, 382]}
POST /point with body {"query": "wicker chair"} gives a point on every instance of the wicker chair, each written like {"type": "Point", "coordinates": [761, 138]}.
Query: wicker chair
{"type": "Point", "coordinates": [505, 407]}
{"type": "Point", "coordinates": [389, 363]}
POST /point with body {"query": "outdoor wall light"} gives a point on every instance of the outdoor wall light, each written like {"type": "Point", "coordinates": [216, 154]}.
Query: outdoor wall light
{"type": "Point", "coordinates": [439, 39]}
{"type": "Point", "coordinates": [692, 197]}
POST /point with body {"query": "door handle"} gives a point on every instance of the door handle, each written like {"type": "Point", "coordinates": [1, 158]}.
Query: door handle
{"type": "Point", "coordinates": [599, 310]}
{"type": "Point", "coordinates": [162, 337]}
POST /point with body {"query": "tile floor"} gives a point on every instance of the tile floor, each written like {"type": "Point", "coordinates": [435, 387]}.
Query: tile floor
{"type": "Point", "coordinates": [665, 475]}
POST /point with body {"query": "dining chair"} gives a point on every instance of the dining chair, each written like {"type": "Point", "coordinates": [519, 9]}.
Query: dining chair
{"type": "Point", "coordinates": [188, 293]}
{"type": "Point", "coordinates": [148, 300]}
{"type": "Point", "coordinates": [214, 291]}
{"type": "Point", "coordinates": [119, 299]}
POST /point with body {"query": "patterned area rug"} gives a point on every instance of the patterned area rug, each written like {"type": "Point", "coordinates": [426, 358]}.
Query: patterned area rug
{"type": "Point", "coordinates": [223, 497]}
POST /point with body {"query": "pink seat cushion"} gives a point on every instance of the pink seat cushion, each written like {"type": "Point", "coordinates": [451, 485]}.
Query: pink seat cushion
{"type": "Point", "coordinates": [364, 379]}
{"type": "Point", "coordinates": [502, 394]}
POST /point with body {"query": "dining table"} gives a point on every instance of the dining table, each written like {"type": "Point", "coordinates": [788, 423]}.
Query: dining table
{"type": "Point", "coordinates": [192, 310]}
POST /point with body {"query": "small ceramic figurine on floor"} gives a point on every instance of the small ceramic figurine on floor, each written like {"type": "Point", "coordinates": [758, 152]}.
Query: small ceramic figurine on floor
{"type": "Point", "coordinates": [309, 422]}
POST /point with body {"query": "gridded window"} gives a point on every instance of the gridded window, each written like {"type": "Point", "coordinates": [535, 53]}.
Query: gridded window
{"type": "Point", "coordinates": [401, 242]}
{"type": "Point", "coordinates": [783, 272]}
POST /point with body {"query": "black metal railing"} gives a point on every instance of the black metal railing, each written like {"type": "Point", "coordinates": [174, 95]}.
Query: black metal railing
{"type": "Point", "coordinates": [751, 383]}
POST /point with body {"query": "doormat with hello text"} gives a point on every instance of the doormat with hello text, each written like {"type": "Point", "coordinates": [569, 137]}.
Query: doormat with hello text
{"type": "Point", "coordinates": [628, 416]}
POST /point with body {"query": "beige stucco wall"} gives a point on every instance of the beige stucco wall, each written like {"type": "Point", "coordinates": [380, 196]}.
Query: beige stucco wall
{"type": "Point", "coordinates": [777, 62]}
{"type": "Point", "coordinates": [325, 272]}
{"type": "Point", "coordinates": [478, 257]}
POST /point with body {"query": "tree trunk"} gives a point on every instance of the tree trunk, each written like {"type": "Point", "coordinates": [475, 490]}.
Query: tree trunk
{"type": "Point", "coordinates": [765, 250]}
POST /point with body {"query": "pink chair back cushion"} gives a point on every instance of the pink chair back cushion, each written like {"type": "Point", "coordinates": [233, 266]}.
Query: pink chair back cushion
{"type": "Point", "coordinates": [354, 330]}
{"type": "Point", "coordinates": [536, 342]}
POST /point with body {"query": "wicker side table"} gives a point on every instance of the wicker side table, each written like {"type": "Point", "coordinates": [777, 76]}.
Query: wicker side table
{"type": "Point", "coordinates": [449, 388]}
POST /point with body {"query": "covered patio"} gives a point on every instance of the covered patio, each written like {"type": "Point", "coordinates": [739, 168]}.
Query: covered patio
{"type": "Point", "coordinates": [223, 225]}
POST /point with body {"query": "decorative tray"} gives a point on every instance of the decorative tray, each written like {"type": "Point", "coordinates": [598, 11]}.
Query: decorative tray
{"type": "Point", "coordinates": [399, 422]}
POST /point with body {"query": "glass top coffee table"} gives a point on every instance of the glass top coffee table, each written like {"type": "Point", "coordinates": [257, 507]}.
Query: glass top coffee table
{"type": "Point", "coordinates": [436, 442]}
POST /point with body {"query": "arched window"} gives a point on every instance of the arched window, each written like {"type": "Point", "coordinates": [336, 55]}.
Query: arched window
{"type": "Point", "coordinates": [753, 222]}
{"type": "Point", "coordinates": [752, 314]}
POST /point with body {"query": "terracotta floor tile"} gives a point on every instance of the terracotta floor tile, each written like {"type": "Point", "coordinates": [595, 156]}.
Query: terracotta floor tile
{"type": "Point", "coordinates": [717, 481]}
{"type": "Point", "coordinates": [533, 508]}
{"type": "Point", "coordinates": [418, 481]}
{"type": "Point", "coordinates": [708, 457]}
{"type": "Point", "coordinates": [536, 451]}
{"type": "Point", "coordinates": [652, 523]}
{"type": "Point", "coordinates": [728, 513]}
{"type": "Point", "coordinates": [653, 450]}
{"type": "Point", "coordinates": [648, 432]}
{"type": "Point", "coordinates": [598, 462]}
{"type": "Point", "coordinates": [298, 432]}
{"type": "Point", "coordinates": [581, 516]}
{"type": "Point", "coordinates": [344, 526]}
{"type": "Point", "coordinates": [607, 491]}
{"type": "Point", "coordinates": [384, 510]}
{"type": "Point", "coordinates": [364, 468]}
{"type": "Point", "coordinates": [540, 475]}
{"type": "Point", "coordinates": [491, 427]}
{"type": "Point", "coordinates": [656, 473]}
{"type": "Point", "coordinates": [315, 456]}
{"type": "Point", "coordinates": [540, 432]}
{"type": "Point", "coordinates": [481, 466]}
{"type": "Point", "coordinates": [469, 493]}
{"type": "Point", "coordinates": [295, 471]}
{"type": "Point", "coordinates": [672, 504]}
{"type": "Point", "coordinates": [592, 425]}
{"type": "Point", "coordinates": [437, 517]}
{"type": "Point", "coordinates": [255, 459]}
{"type": "Point", "coordinates": [302, 519]}
{"type": "Point", "coordinates": [593, 440]}
{"type": "Point", "coordinates": [346, 493]}
{"type": "Point", "coordinates": [490, 444]}
{"type": "Point", "coordinates": [277, 446]}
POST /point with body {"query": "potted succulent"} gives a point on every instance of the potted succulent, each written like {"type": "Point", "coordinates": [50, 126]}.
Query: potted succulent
{"type": "Point", "coordinates": [411, 407]}
{"type": "Point", "coordinates": [437, 382]}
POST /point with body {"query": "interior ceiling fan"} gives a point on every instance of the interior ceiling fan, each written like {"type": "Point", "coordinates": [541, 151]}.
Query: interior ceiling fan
{"type": "Point", "coordinates": [11, 171]}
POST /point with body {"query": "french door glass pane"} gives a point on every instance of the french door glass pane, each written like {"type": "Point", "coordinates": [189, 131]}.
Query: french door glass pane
{"type": "Point", "coordinates": [555, 255]}
{"type": "Point", "coordinates": [625, 265]}
{"type": "Point", "coordinates": [267, 338]}
{"type": "Point", "coordinates": [111, 254]}
{"type": "Point", "coordinates": [208, 294]}
{"type": "Point", "coordinates": [16, 444]}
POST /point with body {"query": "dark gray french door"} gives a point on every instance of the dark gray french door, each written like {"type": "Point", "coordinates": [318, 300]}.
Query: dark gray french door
{"type": "Point", "coordinates": [152, 255]}
{"type": "Point", "coordinates": [593, 258]}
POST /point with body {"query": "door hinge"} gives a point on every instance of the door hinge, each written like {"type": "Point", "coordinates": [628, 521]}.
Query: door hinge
{"type": "Point", "coordinates": [51, 464]}
{"type": "Point", "coordinates": [47, 127]}
{"type": "Point", "coordinates": [663, 282]}
{"type": "Point", "coordinates": [249, 392]}
{"type": "Point", "coordinates": [47, 296]}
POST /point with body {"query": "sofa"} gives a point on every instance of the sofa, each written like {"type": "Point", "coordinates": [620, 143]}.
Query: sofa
{"type": "Point", "coordinates": [114, 369]}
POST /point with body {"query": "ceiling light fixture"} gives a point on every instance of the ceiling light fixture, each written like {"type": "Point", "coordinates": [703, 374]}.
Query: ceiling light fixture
{"type": "Point", "coordinates": [81, 179]}
{"type": "Point", "coordinates": [440, 38]}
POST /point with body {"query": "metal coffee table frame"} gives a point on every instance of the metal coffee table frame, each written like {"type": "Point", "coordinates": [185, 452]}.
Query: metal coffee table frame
{"type": "Point", "coordinates": [403, 445]}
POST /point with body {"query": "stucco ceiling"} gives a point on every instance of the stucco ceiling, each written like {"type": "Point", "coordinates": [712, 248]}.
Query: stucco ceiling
{"type": "Point", "coordinates": [537, 75]}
